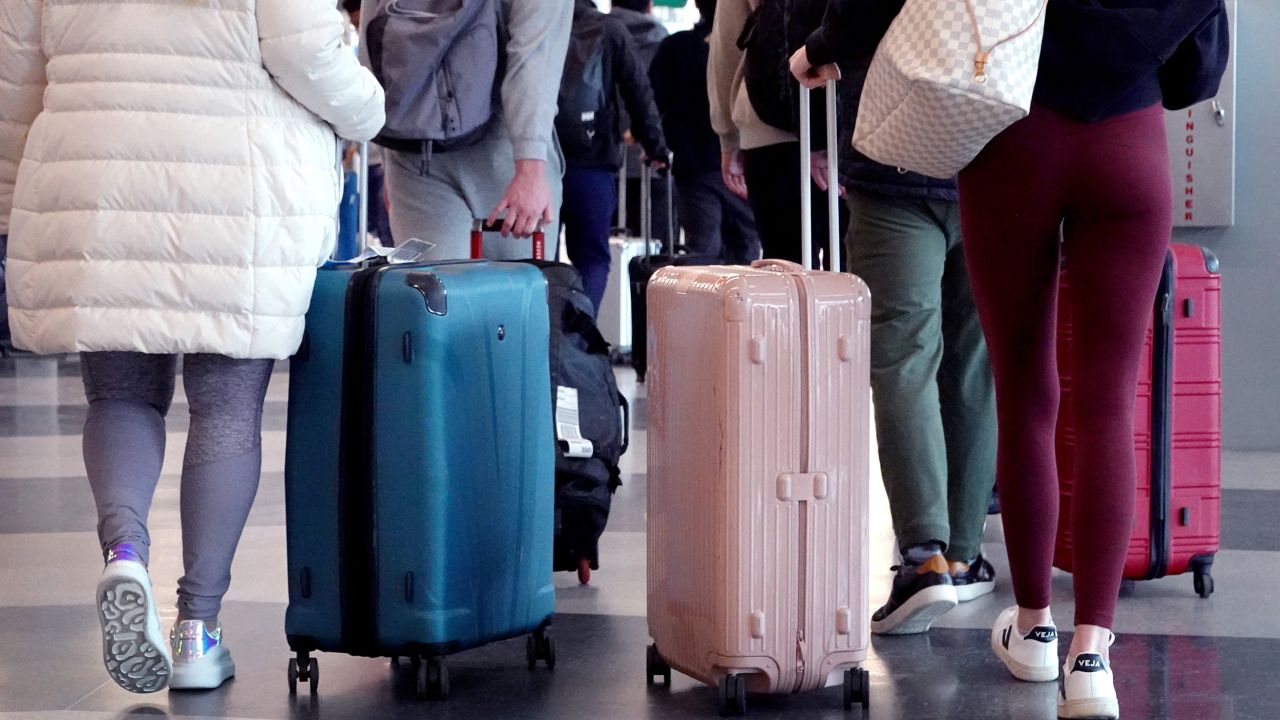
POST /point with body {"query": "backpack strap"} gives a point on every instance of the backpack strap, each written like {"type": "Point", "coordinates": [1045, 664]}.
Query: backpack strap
{"type": "Point", "coordinates": [577, 320]}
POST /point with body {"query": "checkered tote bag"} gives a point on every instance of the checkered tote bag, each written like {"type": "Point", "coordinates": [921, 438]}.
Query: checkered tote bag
{"type": "Point", "coordinates": [948, 77]}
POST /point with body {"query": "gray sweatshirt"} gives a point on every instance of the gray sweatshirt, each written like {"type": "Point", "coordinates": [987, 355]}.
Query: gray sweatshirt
{"type": "Point", "coordinates": [536, 36]}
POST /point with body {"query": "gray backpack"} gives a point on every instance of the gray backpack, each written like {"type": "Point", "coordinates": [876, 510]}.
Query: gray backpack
{"type": "Point", "coordinates": [439, 63]}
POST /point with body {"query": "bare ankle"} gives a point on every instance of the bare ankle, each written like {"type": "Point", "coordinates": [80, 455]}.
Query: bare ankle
{"type": "Point", "coordinates": [1091, 639]}
{"type": "Point", "coordinates": [1029, 619]}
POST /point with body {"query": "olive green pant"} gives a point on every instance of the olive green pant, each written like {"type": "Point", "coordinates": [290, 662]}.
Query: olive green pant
{"type": "Point", "coordinates": [930, 378]}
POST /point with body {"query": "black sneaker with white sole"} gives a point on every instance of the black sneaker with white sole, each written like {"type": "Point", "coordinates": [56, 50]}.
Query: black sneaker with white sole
{"type": "Point", "coordinates": [922, 591]}
{"type": "Point", "coordinates": [973, 579]}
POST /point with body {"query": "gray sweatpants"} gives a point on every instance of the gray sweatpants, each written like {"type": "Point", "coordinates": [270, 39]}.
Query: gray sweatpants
{"type": "Point", "coordinates": [124, 439]}
{"type": "Point", "coordinates": [438, 199]}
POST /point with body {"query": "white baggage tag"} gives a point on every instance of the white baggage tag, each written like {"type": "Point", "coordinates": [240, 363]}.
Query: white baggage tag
{"type": "Point", "coordinates": [412, 251]}
{"type": "Point", "coordinates": [369, 253]}
{"type": "Point", "coordinates": [567, 424]}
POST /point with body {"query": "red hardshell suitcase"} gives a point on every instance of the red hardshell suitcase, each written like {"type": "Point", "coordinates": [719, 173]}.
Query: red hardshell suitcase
{"type": "Point", "coordinates": [1177, 426]}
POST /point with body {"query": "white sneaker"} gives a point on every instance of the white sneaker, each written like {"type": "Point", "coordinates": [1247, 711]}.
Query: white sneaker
{"type": "Point", "coordinates": [1032, 657]}
{"type": "Point", "coordinates": [1088, 689]}
{"type": "Point", "coordinates": [133, 646]}
{"type": "Point", "coordinates": [200, 660]}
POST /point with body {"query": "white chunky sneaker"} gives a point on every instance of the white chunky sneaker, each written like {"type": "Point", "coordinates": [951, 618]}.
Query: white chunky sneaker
{"type": "Point", "coordinates": [1033, 656]}
{"type": "Point", "coordinates": [200, 662]}
{"type": "Point", "coordinates": [1088, 689]}
{"type": "Point", "coordinates": [133, 646]}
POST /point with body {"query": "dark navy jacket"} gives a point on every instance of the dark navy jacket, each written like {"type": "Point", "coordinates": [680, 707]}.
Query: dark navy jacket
{"type": "Point", "coordinates": [679, 78]}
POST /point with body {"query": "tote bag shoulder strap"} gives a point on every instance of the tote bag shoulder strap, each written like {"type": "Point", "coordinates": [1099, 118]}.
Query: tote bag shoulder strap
{"type": "Point", "coordinates": [984, 53]}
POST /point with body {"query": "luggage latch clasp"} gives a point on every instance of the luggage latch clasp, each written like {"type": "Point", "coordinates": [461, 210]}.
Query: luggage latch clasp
{"type": "Point", "coordinates": [803, 487]}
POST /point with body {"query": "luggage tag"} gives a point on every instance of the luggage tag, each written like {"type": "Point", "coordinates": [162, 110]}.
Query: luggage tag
{"type": "Point", "coordinates": [567, 425]}
{"type": "Point", "coordinates": [371, 252]}
{"type": "Point", "coordinates": [412, 251]}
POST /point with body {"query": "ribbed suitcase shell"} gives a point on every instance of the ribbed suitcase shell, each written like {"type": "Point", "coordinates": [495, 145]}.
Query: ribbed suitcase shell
{"type": "Point", "coordinates": [758, 466]}
{"type": "Point", "coordinates": [1176, 527]}
{"type": "Point", "coordinates": [440, 539]}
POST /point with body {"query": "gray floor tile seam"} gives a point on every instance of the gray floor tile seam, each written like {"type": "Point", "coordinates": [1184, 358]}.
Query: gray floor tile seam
{"type": "Point", "coordinates": [86, 696]}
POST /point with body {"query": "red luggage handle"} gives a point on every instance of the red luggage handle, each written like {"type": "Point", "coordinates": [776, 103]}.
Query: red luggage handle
{"type": "Point", "coordinates": [480, 227]}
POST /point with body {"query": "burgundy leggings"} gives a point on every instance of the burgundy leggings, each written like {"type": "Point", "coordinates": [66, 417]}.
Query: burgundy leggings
{"type": "Point", "coordinates": [1104, 190]}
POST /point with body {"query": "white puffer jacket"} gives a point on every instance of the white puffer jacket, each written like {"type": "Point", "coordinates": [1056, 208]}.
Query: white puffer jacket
{"type": "Point", "coordinates": [179, 185]}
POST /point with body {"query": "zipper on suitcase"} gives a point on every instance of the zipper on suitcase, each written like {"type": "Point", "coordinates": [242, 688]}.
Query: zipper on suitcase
{"type": "Point", "coordinates": [1162, 348]}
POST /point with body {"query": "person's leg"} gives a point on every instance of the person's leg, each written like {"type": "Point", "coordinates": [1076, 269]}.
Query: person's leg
{"type": "Point", "coordinates": [773, 186]}
{"type": "Point", "coordinates": [124, 439]}
{"type": "Point", "coordinates": [427, 205]}
{"type": "Point", "coordinates": [663, 215]}
{"type": "Point", "coordinates": [220, 474]}
{"type": "Point", "coordinates": [700, 214]}
{"type": "Point", "coordinates": [379, 219]}
{"type": "Point", "coordinates": [774, 193]}
{"type": "Point", "coordinates": [590, 197]}
{"type": "Point", "coordinates": [1011, 203]}
{"type": "Point", "coordinates": [897, 248]}
{"type": "Point", "coordinates": [738, 226]}
{"type": "Point", "coordinates": [482, 173]}
{"type": "Point", "coordinates": [438, 201]}
{"type": "Point", "coordinates": [1011, 210]}
{"type": "Point", "coordinates": [1115, 241]}
{"type": "Point", "coordinates": [966, 392]}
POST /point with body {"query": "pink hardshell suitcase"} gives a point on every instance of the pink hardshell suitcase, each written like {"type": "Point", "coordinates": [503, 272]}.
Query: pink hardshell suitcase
{"type": "Point", "coordinates": [759, 472]}
{"type": "Point", "coordinates": [1177, 427]}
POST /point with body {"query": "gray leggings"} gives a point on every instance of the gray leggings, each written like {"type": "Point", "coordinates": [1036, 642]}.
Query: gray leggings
{"type": "Point", "coordinates": [124, 439]}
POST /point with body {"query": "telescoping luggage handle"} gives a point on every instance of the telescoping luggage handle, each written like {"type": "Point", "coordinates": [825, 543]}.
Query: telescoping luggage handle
{"type": "Point", "coordinates": [482, 226]}
{"type": "Point", "coordinates": [646, 207]}
{"type": "Point", "coordinates": [807, 186]}
{"type": "Point", "coordinates": [806, 181]}
{"type": "Point", "coordinates": [806, 189]}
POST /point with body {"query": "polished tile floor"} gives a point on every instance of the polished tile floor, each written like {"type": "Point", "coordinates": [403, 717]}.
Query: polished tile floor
{"type": "Point", "coordinates": [1178, 657]}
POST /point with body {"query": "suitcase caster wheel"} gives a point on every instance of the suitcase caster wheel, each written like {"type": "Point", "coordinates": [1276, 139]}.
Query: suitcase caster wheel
{"type": "Point", "coordinates": [1202, 565]}
{"type": "Point", "coordinates": [433, 680]}
{"type": "Point", "coordinates": [584, 571]}
{"type": "Point", "coordinates": [306, 669]}
{"type": "Point", "coordinates": [657, 667]}
{"type": "Point", "coordinates": [857, 688]}
{"type": "Point", "coordinates": [733, 696]}
{"type": "Point", "coordinates": [540, 646]}
{"type": "Point", "coordinates": [1203, 582]}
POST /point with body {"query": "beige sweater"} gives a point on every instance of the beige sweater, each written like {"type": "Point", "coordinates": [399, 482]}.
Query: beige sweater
{"type": "Point", "coordinates": [732, 116]}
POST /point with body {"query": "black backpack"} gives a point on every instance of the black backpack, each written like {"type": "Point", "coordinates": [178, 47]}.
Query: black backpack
{"type": "Point", "coordinates": [586, 474]}
{"type": "Point", "coordinates": [587, 113]}
{"type": "Point", "coordinates": [772, 33]}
